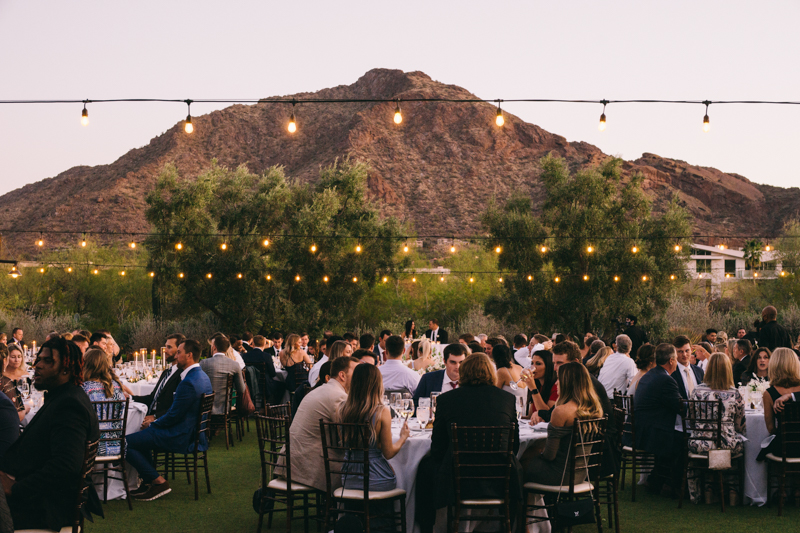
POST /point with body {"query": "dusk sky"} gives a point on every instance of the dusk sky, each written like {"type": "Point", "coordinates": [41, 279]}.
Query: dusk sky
{"type": "Point", "coordinates": [531, 49]}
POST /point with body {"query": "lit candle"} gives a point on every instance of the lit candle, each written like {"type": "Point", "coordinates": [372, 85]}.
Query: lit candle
{"type": "Point", "coordinates": [34, 346]}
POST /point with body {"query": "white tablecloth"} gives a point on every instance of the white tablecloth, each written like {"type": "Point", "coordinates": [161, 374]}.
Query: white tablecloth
{"type": "Point", "coordinates": [406, 463]}
{"type": "Point", "coordinates": [116, 490]}
{"type": "Point", "coordinates": [141, 388]}
{"type": "Point", "coordinates": [755, 473]}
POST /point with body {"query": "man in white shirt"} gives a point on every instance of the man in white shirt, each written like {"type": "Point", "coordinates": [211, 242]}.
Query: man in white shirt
{"type": "Point", "coordinates": [396, 375]}
{"type": "Point", "coordinates": [381, 346]}
{"type": "Point", "coordinates": [304, 341]}
{"type": "Point", "coordinates": [619, 368]}
{"type": "Point", "coordinates": [687, 375]}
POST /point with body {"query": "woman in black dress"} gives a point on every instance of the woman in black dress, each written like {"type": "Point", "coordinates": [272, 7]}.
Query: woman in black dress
{"type": "Point", "coordinates": [784, 378]}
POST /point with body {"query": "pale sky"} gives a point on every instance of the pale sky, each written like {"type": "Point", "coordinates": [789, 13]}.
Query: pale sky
{"type": "Point", "coordinates": [528, 49]}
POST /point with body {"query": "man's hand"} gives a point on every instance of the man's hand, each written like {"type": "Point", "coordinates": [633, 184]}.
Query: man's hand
{"type": "Point", "coordinates": [700, 353]}
{"type": "Point", "coordinates": [535, 419]}
{"type": "Point", "coordinates": [147, 421]}
{"type": "Point", "coordinates": [7, 482]}
{"type": "Point", "coordinates": [778, 405]}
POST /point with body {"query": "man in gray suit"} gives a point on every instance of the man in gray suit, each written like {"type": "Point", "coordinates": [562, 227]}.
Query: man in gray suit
{"type": "Point", "coordinates": [218, 368]}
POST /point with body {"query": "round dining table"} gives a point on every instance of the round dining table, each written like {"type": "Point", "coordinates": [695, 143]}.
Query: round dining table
{"type": "Point", "coordinates": [755, 473]}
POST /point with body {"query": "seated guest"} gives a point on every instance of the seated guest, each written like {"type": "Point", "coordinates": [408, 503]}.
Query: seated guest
{"type": "Point", "coordinates": [335, 347]}
{"type": "Point", "coordinates": [350, 337]}
{"type": "Point", "coordinates": [588, 339]}
{"type": "Point", "coordinates": [380, 348]}
{"type": "Point", "coordinates": [9, 425]}
{"type": "Point", "coordinates": [276, 338]}
{"type": "Point", "coordinates": [420, 352]}
{"type": "Point", "coordinates": [466, 338]}
{"type": "Point", "coordinates": [520, 341]}
{"type": "Point", "coordinates": [296, 362]}
{"type": "Point", "coordinates": [595, 346]}
{"type": "Point", "coordinates": [366, 342]}
{"type": "Point", "coordinates": [9, 386]}
{"type": "Point", "coordinates": [160, 399]}
{"type": "Point", "coordinates": [218, 367]}
{"type": "Point", "coordinates": [596, 362]}
{"type": "Point", "coordinates": [81, 342]}
{"type": "Point", "coordinates": [758, 368]}
{"type": "Point", "coordinates": [577, 400]}
{"type": "Point", "coordinates": [645, 362]}
{"type": "Point", "coordinates": [686, 375]}
{"type": "Point", "coordinates": [15, 366]}
{"type": "Point", "coordinates": [784, 380]}
{"type": "Point", "coordinates": [657, 405]}
{"type": "Point", "coordinates": [323, 403]}
{"type": "Point", "coordinates": [175, 431]}
{"type": "Point", "coordinates": [618, 368]}
{"type": "Point", "coordinates": [542, 382]}
{"type": "Point", "coordinates": [247, 343]}
{"type": "Point", "coordinates": [476, 402]}
{"type": "Point", "coordinates": [366, 356]}
{"type": "Point", "coordinates": [324, 375]}
{"type": "Point", "coordinates": [508, 372]}
{"type": "Point", "coordinates": [100, 384]}
{"type": "Point", "coordinates": [396, 375]}
{"type": "Point", "coordinates": [474, 347]}
{"type": "Point", "coordinates": [718, 385]}
{"type": "Point", "coordinates": [41, 471]}
{"type": "Point", "coordinates": [742, 354]}
{"type": "Point", "coordinates": [442, 380]}
{"type": "Point", "coordinates": [255, 355]}
{"type": "Point", "coordinates": [435, 333]}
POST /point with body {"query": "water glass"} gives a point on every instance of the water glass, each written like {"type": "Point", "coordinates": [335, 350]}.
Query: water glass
{"type": "Point", "coordinates": [520, 404]}
{"type": "Point", "coordinates": [423, 415]}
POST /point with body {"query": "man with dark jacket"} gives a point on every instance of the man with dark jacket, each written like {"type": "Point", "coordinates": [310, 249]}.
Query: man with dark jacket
{"type": "Point", "coordinates": [159, 400]}
{"type": "Point", "coordinates": [257, 355]}
{"type": "Point", "coordinates": [772, 334]}
{"type": "Point", "coordinates": [41, 471]}
{"type": "Point", "coordinates": [742, 355]}
{"type": "Point", "coordinates": [637, 335]}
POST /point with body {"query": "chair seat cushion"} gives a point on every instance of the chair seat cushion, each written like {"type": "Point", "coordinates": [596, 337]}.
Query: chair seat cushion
{"type": "Point", "coordinates": [579, 488]}
{"type": "Point", "coordinates": [280, 484]}
{"type": "Point", "coordinates": [704, 456]}
{"type": "Point", "coordinates": [790, 460]}
{"type": "Point", "coordinates": [353, 494]}
{"type": "Point", "coordinates": [628, 449]}
{"type": "Point", "coordinates": [107, 458]}
{"type": "Point", "coordinates": [65, 529]}
{"type": "Point", "coordinates": [482, 502]}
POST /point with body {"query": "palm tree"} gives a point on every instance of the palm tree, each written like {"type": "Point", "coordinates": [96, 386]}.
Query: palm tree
{"type": "Point", "coordinates": [752, 255]}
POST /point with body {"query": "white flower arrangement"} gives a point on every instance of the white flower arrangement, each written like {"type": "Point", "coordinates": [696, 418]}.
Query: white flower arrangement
{"type": "Point", "coordinates": [753, 392]}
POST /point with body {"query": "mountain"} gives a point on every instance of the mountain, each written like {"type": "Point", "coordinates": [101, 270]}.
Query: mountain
{"type": "Point", "coordinates": [436, 169]}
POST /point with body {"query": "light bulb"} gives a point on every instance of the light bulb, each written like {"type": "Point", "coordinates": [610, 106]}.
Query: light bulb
{"type": "Point", "coordinates": [69, 269]}
{"type": "Point", "coordinates": [405, 248]}
{"type": "Point", "coordinates": [644, 278]}
{"type": "Point", "coordinates": [472, 280]}
{"type": "Point", "coordinates": [292, 127]}
{"type": "Point", "coordinates": [500, 280]}
{"type": "Point", "coordinates": [767, 248]}
{"type": "Point", "coordinates": [557, 280]}
{"type": "Point", "coordinates": [84, 117]}
{"type": "Point", "coordinates": [355, 279]}
{"type": "Point", "coordinates": [727, 274]}
{"type": "Point", "coordinates": [122, 273]}
{"type": "Point", "coordinates": [180, 275]}
{"type": "Point", "coordinates": [266, 242]}
{"type": "Point", "coordinates": [530, 278]}
{"type": "Point", "coordinates": [41, 271]}
{"type": "Point", "coordinates": [208, 276]}
{"type": "Point", "coordinates": [586, 277]}
{"type": "Point", "coordinates": [398, 117]}
{"type": "Point", "coordinates": [385, 279]}
{"type": "Point", "coordinates": [706, 124]}
{"type": "Point", "coordinates": [602, 125]}
{"type": "Point", "coordinates": [453, 249]}
{"type": "Point", "coordinates": [188, 127]}
{"type": "Point", "coordinates": [269, 277]}
{"type": "Point", "coordinates": [95, 271]}
{"type": "Point", "coordinates": [358, 248]}
{"type": "Point", "coordinates": [15, 273]}
{"type": "Point", "coordinates": [498, 250]}
{"type": "Point", "coordinates": [152, 274]}
{"type": "Point", "coordinates": [635, 250]}
{"type": "Point", "coordinates": [132, 245]}
{"type": "Point", "coordinates": [672, 276]}
{"type": "Point", "coordinates": [543, 249]}
{"type": "Point", "coordinates": [499, 120]}
{"type": "Point", "coordinates": [413, 280]}
{"type": "Point", "coordinates": [616, 278]}
{"type": "Point", "coordinates": [239, 276]}
{"type": "Point", "coordinates": [783, 273]}
{"type": "Point", "coordinates": [297, 277]}
{"type": "Point", "coordinates": [755, 274]}
{"type": "Point", "coordinates": [178, 246]}
{"type": "Point", "coordinates": [40, 242]}
{"type": "Point", "coordinates": [325, 279]}
{"type": "Point", "coordinates": [223, 246]}
{"type": "Point", "coordinates": [677, 248]}
{"type": "Point", "coordinates": [441, 278]}
{"type": "Point", "coordinates": [590, 248]}
{"type": "Point", "coordinates": [313, 248]}
{"type": "Point", "coordinates": [83, 243]}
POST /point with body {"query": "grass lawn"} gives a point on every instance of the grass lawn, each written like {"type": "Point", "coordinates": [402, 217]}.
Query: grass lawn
{"type": "Point", "coordinates": [235, 474]}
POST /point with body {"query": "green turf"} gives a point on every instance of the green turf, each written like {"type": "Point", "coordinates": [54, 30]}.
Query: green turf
{"type": "Point", "coordinates": [235, 474]}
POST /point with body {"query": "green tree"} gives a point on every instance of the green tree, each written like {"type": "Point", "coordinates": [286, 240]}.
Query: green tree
{"type": "Point", "coordinates": [590, 224]}
{"type": "Point", "coordinates": [752, 255]}
{"type": "Point", "coordinates": [788, 246]}
{"type": "Point", "coordinates": [267, 274]}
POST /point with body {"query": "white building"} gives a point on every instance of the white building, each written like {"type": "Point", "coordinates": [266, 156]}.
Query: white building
{"type": "Point", "coordinates": [719, 264]}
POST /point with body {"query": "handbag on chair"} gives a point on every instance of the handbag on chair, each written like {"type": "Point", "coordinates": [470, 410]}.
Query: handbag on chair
{"type": "Point", "coordinates": [719, 459]}
{"type": "Point", "coordinates": [577, 512]}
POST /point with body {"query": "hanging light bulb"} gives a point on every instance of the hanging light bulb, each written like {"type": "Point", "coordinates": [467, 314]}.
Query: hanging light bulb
{"type": "Point", "coordinates": [180, 275]}
{"type": "Point", "coordinates": [325, 279]}
{"type": "Point", "coordinates": [95, 271]}
{"type": "Point", "coordinates": [497, 250]}
{"type": "Point", "coordinates": [602, 125]}
{"type": "Point", "coordinates": [405, 248]}
{"type": "Point", "coordinates": [313, 248]}
{"type": "Point", "coordinates": [83, 241]}
{"type": "Point", "coordinates": [727, 274]}
{"type": "Point", "coordinates": [616, 278]}
{"type": "Point", "coordinates": [269, 277]}
{"type": "Point", "coordinates": [586, 277]}
{"type": "Point", "coordinates": [441, 278]}
{"type": "Point", "coordinates": [590, 249]}
{"type": "Point", "coordinates": [557, 280]}
{"type": "Point", "coordinates": [40, 242]}
{"type": "Point", "coordinates": [85, 114]}
{"type": "Point", "coordinates": [358, 248]}
{"type": "Point", "coordinates": [385, 279]}
{"type": "Point", "coordinates": [153, 274]}
{"type": "Point", "coordinates": [706, 121]}
{"type": "Point", "coordinates": [543, 249]}
{"type": "Point", "coordinates": [187, 126]}
{"type": "Point", "coordinates": [398, 117]}
{"type": "Point", "coordinates": [783, 273]}
{"type": "Point", "coordinates": [413, 280]}
{"type": "Point", "coordinates": [41, 271]}
{"type": "Point", "coordinates": [453, 246]}
{"type": "Point", "coordinates": [223, 246]}
{"type": "Point", "coordinates": [178, 246]}
{"type": "Point", "coordinates": [672, 277]}
{"type": "Point", "coordinates": [355, 279]}
{"type": "Point", "coordinates": [15, 273]}
{"type": "Point", "coordinates": [471, 279]}
{"type": "Point", "coordinates": [677, 248]}
{"type": "Point", "coordinates": [239, 275]}
{"type": "Point", "coordinates": [644, 278]}
{"type": "Point", "coordinates": [69, 270]}
{"type": "Point", "coordinates": [132, 245]}
{"type": "Point", "coordinates": [297, 277]}
{"type": "Point", "coordinates": [499, 119]}
{"type": "Point", "coordinates": [635, 249]}
{"type": "Point", "coordinates": [266, 242]}
{"type": "Point", "coordinates": [755, 274]}
{"type": "Point", "coordinates": [208, 276]}
{"type": "Point", "coordinates": [530, 278]}
{"type": "Point", "coordinates": [768, 248]}
{"type": "Point", "coordinates": [500, 280]}
{"type": "Point", "coordinates": [122, 273]}
{"type": "Point", "coordinates": [292, 127]}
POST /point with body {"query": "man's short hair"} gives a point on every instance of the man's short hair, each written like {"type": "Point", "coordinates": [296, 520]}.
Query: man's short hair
{"type": "Point", "coordinates": [362, 352]}
{"type": "Point", "coordinates": [680, 340]}
{"type": "Point", "coordinates": [520, 340]}
{"type": "Point", "coordinates": [79, 338]}
{"type": "Point", "coordinates": [247, 337]}
{"type": "Point", "coordinates": [367, 341]}
{"type": "Point", "coordinates": [221, 344]}
{"type": "Point", "coordinates": [15, 330]}
{"type": "Point", "coordinates": [541, 339]}
{"type": "Point", "coordinates": [624, 344]}
{"type": "Point", "coordinates": [665, 352]}
{"type": "Point", "coordinates": [349, 336]}
{"type": "Point", "coordinates": [329, 342]}
{"type": "Point", "coordinates": [275, 335]}
{"type": "Point", "coordinates": [568, 348]}
{"type": "Point", "coordinates": [178, 338]}
{"type": "Point", "coordinates": [341, 365]}
{"type": "Point", "coordinates": [384, 333]}
{"type": "Point", "coordinates": [745, 346]}
{"type": "Point", "coordinates": [466, 337]}
{"type": "Point", "coordinates": [474, 347]}
{"type": "Point", "coordinates": [193, 347]}
{"type": "Point", "coordinates": [477, 370]}
{"type": "Point", "coordinates": [596, 345]}
{"type": "Point", "coordinates": [395, 345]}
{"type": "Point", "coordinates": [259, 341]}
{"type": "Point", "coordinates": [769, 313]}
{"type": "Point", "coordinates": [456, 349]}
{"type": "Point", "coordinates": [632, 318]}
{"type": "Point", "coordinates": [97, 336]}
{"type": "Point", "coordinates": [709, 331]}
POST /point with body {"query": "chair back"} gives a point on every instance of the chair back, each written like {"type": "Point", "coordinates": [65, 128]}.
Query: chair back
{"type": "Point", "coordinates": [482, 461]}
{"type": "Point", "coordinates": [345, 450]}
{"type": "Point", "coordinates": [282, 410]}
{"type": "Point", "coordinates": [789, 426]}
{"type": "Point", "coordinates": [703, 421]}
{"type": "Point", "coordinates": [228, 395]}
{"type": "Point", "coordinates": [274, 446]}
{"type": "Point", "coordinates": [89, 455]}
{"type": "Point", "coordinates": [625, 402]}
{"type": "Point", "coordinates": [586, 450]}
{"type": "Point", "coordinates": [619, 427]}
{"type": "Point", "coordinates": [112, 413]}
{"type": "Point", "coordinates": [203, 426]}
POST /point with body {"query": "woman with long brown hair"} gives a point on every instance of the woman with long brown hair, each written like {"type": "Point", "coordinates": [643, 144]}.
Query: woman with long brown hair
{"type": "Point", "coordinates": [295, 361]}
{"type": "Point", "coordinates": [101, 384]}
{"type": "Point", "coordinates": [9, 386]}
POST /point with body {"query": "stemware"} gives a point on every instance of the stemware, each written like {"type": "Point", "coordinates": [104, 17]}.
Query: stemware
{"type": "Point", "coordinates": [407, 409]}
{"type": "Point", "coordinates": [520, 405]}
{"type": "Point", "coordinates": [423, 415]}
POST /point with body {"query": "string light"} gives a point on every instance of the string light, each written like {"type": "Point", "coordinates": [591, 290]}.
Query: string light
{"type": "Point", "coordinates": [644, 278]}
{"type": "Point", "coordinates": [499, 119]}
{"type": "Point", "coordinates": [398, 117]}
{"type": "Point", "coordinates": [635, 249]}
{"type": "Point", "coordinates": [40, 242]}
{"type": "Point", "coordinates": [188, 127]}
{"type": "Point", "coordinates": [586, 277]}
{"type": "Point", "coordinates": [297, 277]}
{"type": "Point", "coordinates": [269, 277]}
{"type": "Point", "coordinates": [83, 241]}
{"type": "Point", "coordinates": [677, 248]}
{"type": "Point", "coordinates": [292, 127]}
{"type": "Point", "coordinates": [266, 242]}
{"type": "Point", "coordinates": [313, 248]}
{"type": "Point", "coordinates": [616, 278]}
{"type": "Point", "coordinates": [358, 248]}
{"type": "Point", "coordinates": [602, 125]}
{"type": "Point", "coordinates": [209, 276]}
{"type": "Point", "coordinates": [122, 273]}
{"type": "Point", "coordinates": [385, 279]}
{"type": "Point", "coordinates": [755, 274]}
{"type": "Point", "coordinates": [132, 245]}
{"type": "Point", "coordinates": [441, 278]}
{"type": "Point", "coordinates": [672, 277]}
{"type": "Point", "coordinates": [180, 275]}
{"type": "Point", "coordinates": [543, 249]}
{"type": "Point", "coordinates": [413, 280]}
{"type": "Point", "coordinates": [783, 273]}
{"type": "Point", "coordinates": [471, 279]}
{"type": "Point", "coordinates": [500, 280]}
{"type": "Point", "coordinates": [530, 278]}
{"type": "Point", "coordinates": [727, 274]}
{"type": "Point", "coordinates": [153, 274]}
{"type": "Point", "coordinates": [41, 271]}
{"type": "Point", "coordinates": [178, 246]}
{"type": "Point", "coordinates": [85, 114]}
{"type": "Point", "coordinates": [239, 275]}
{"type": "Point", "coordinates": [767, 248]}
{"type": "Point", "coordinates": [355, 279]}
{"type": "Point", "coordinates": [15, 273]}
{"type": "Point", "coordinates": [497, 250]}
{"type": "Point", "coordinates": [453, 246]}
{"type": "Point", "coordinates": [69, 270]}
{"type": "Point", "coordinates": [557, 280]}
{"type": "Point", "coordinates": [405, 248]}
{"type": "Point", "coordinates": [95, 271]}
{"type": "Point", "coordinates": [590, 248]}
{"type": "Point", "coordinates": [706, 121]}
{"type": "Point", "coordinates": [325, 279]}
{"type": "Point", "coordinates": [223, 246]}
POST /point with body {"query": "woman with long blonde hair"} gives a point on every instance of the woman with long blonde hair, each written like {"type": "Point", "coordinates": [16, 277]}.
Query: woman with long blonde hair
{"type": "Point", "coordinates": [9, 386]}
{"type": "Point", "coordinates": [421, 355]}
{"type": "Point", "coordinates": [784, 380]}
{"type": "Point", "coordinates": [295, 361]}
{"type": "Point", "coordinates": [597, 361]}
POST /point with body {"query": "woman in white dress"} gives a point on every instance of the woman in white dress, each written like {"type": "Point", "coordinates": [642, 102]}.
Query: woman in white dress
{"type": "Point", "coordinates": [419, 355]}
{"type": "Point", "coordinates": [508, 371]}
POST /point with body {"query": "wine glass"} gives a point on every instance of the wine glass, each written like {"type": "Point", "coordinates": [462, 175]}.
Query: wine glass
{"type": "Point", "coordinates": [24, 388]}
{"type": "Point", "coordinates": [395, 401]}
{"type": "Point", "coordinates": [407, 408]}
{"type": "Point", "coordinates": [423, 415]}
{"type": "Point", "coordinates": [434, 396]}
{"type": "Point", "coordinates": [520, 405]}
{"type": "Point", "coordinates": [521, 383]}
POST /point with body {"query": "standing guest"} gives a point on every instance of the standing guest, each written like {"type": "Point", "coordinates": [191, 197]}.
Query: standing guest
{"type": "Point", "coordinates": [435, 333]}
{"type": "Point", "coordinates": [294, 361]}
{"type": "Point", "coordinates": [421, 354]}
{"type": "Point", "coordinates": [711, 336]}
{"type": "Point", "coordinates": [335, 347]}
{"type": "Point", "coordinates": [365, 356]}
{"type": "Point", "coordinates": [396, 375]}
{"type": "Point", "coordinates": [41, 471]}
{"type": "Point", "coordinates": [175, 431]}
{"type": "Point", "coordinates": [742, 355]}
{"type": "Point", "coordinates": [595, 363]}
{"type": "Point", "coordinates": [16, 368]}
{"type": "Point", "coordinates": [322, 403]}
{"type": "Point", "coordinates": [410, 331]}
{"type": "Point", "coordinates": [81, 342]}
{"type": "Point", "coordinates": [645, 362]}
{"type": "Point", "coordinates": [784, 379]}
{"type": "Point", "coordinates": [634, 333]}
{"type": "Point", "coordinates": [380, 348]}
{"type": "Point", "coordinates": [351, 338]}
{"type": "Point", "coordinates": [218, 367]}
{"type": "Point", "coordinates": [257, 354]}
{"type": "Point", "coordinates": [160, 399]}
{"type": "Point", "coordinates": [758, 368]}
{"type": "Point", "coordinates": [542, 382]}
{"type": "Point", "coordinates": [508, 372]}
{"type": "Point", "coordinates": [481, 338]}
{"type": "Point", "coordinates": [657, 403]}
{"type": "Point", "coordinates": [618, 369]}
{"type": "Point", "coordinates": [687, 376]}
{"type": "Point", "coordinates": [740, 333]}
{"type": "Point", "coordinates": [100, 384]}
{"type": "Point", "coordinates": [772, 334]}
{"type": "Point", "coordinates": [577, 401]}
{"type": "Point", "coordinates": [718, 385]}
{"type": "Point", "coordinates": [16, 337]}
{"type": "Point", "coordinates": [446, 379]}
{"type": "Point", "coordinates": [9, 386]}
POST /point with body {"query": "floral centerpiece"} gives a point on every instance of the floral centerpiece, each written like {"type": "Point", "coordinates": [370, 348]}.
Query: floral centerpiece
{"type": "Point", "coordinates": [753, 392]}
{"type": "Point", "coordinates": [437, 356]}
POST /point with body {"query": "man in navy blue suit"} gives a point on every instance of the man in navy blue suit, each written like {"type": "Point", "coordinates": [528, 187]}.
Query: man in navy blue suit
{"type": "Point", "coordinates": [175, 431]}
{"type": "Point", "coordinates": [686, 375]}
{"type": "Point", "coordinates": [657, 403]}
{"type": "Point", "coordinates": [442, 380]}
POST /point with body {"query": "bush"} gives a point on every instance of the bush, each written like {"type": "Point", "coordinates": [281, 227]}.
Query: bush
{"type": "Point", "coordinates": [37, 327]}
{"type": "Point", "coordinates": [149, 332]}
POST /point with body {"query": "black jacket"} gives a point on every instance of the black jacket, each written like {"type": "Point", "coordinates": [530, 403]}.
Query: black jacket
{"type": "Point", "coordinates": [165, 397]}
{"type": "Point", "coordinates": [257, 355]}
{"type": "Point", "coordinates": [441, 336]}
{"type": "Point", "coordinates": [740, 368]}
{"type": "Point", "coordinates": [656, 403]}
{"type": "Point", "coordinates": [48, 457]}
{"type": "Point", "coordinates": [698, 377]}
{"type": "Point", "coordinates": [637, 336]}
{"type": "Point", "coordinates": [773, 335]}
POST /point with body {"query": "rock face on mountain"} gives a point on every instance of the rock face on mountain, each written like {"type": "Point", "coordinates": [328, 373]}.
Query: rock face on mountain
{"type": "Point", "coordinates": [435, 169]}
